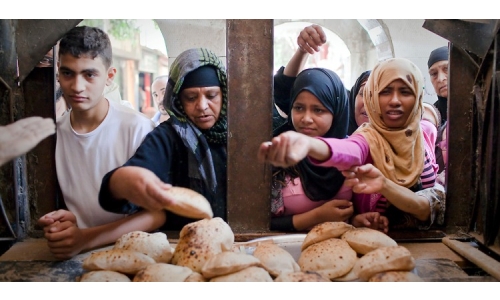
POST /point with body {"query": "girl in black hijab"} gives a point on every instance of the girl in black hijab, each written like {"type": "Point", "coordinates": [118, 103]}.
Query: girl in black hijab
{"type": "Point", "coordinates": [303, 194]}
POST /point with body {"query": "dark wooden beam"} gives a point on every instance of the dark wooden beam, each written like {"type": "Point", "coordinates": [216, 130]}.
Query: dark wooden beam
{"type": "Point", "coordinates": [250, 77]}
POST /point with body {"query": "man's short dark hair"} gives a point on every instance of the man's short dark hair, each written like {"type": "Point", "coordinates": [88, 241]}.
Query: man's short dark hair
{"type": "Point", "coordinates": [87, 41]}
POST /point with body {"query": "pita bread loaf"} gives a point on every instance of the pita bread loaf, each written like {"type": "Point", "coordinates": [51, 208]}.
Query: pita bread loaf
{"type": "Point", "coordinates": [250, 274]}
{"type": "Point", "coordinates": [301, 277]}
{"type": "Point", "coordinates": [364, 240]}
{"type": "Point", "coordinates": [189, 203]}
{"type": "Point", "coordinates": [330, 258]}
{"type": "Point", "coordinates": [395, 258]}
{"type": "Point", "coordinates": [155, 245]}
{"type": "Point", "coordinates": [395, 276]}
{"type": "Point", "coordinates": [275, 259]}
{"type": "Point", "coordinates": [160, 272]}
{"type": "Point", "coordinates": [324, 231]}
{"type": "Point", "coordinates": [228, 262]}
{"type": "Point", "coordinates": [195, 277]}
{"type": "Point", "coordinates": [104, 276]}
{"type": "Point", "coordinates": [200, 240]}
{"type": "Point", "coordinates": [119, 260]}
{"type": "Point", "coordinates": [350, 276]}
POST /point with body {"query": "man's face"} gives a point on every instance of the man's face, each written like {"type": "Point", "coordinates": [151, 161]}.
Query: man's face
{"type": "Point", "coordinates": [439, 77]}
{"type": "Point", "coordinates": [83, 80]}
{"type": "Point", "coordinates": [158, 88]}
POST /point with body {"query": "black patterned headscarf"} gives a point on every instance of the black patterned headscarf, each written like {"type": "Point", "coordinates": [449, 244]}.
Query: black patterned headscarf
{"type": "Point", "coordinates": [196, 140]}
{"type": "Point", "coordinates": [322, 183]}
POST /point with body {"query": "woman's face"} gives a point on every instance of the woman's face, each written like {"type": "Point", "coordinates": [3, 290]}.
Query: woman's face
{"type": "Point", "coordinates": [439, 77]}
{"type": "Point", "coordinates": [396, 104]}
{"type": "Point", "coordinates": [202, 105]}
{"type": "Point", "coordinates": [158, 90]}
{"type": "Point", "coordinates": [310, 116]}
{"type": "Point", "coordinates": [359, 107]}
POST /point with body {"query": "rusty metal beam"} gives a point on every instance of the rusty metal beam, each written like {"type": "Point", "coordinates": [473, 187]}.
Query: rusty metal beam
{"type": "Point", "coordinates": [459, 196]}
{"type": "Point", "coordinates": [35, 38]}
{"type": "Point", "coordinates": [250, 77]}
{"type": "Point", "coordinates": [41, 179]}
{"type": "Point", "coordinates": [473, 36]}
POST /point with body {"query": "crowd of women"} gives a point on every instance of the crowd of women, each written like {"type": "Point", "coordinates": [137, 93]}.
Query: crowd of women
{"type": "Point", "coordinates": [364, 155]}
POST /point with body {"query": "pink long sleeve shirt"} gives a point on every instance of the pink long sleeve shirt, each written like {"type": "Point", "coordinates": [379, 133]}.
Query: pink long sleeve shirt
{"type": "Point", "coordinates": [355, 151]}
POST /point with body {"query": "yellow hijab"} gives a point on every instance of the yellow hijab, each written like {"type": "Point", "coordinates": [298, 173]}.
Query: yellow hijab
{"type": "Point", "coordinates": [397, 153]}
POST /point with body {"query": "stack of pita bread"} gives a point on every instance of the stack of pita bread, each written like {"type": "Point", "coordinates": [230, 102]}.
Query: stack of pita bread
{"type": "Point", "coordinates": [341, 252]}
{"type": "Point", "coordinates": [206, 251]}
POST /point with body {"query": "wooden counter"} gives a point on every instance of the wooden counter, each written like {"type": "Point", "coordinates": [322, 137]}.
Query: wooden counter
{"type": "Point", "coordinates": [31, 260]}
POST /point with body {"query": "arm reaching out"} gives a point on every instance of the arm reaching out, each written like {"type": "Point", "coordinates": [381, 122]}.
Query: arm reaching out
{"type": "Point", "coordinates": [367, 179]}
{"type": "Point", "coordinates": [310, 39]}
{"type": "Point", "coordinates": [23, 135]}
{"type": "Point", "coordinates": [290, 147]}
{"type": "Point", "coordinates": [331, 211]}
{"type": "Point", "coordinates": [141, 187]}
{"type": "Point", "coordinates": [371, 220]}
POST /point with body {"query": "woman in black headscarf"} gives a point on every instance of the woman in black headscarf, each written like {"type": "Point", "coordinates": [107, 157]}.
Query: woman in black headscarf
{"type": "Point", "coordinates": [187, 150]}
{"type": "Point", "coordinates": [303, 195]}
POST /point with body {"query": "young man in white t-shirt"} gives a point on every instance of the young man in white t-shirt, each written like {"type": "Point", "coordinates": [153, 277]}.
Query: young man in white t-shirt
{"type": "Point", "coordinates": [94, 137]}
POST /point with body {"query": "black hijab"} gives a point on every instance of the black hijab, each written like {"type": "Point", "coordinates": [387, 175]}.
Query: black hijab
{"type": "Point", "coordinates": [321, 183]}
{"type": "Point", "coordinates": [352, 100]}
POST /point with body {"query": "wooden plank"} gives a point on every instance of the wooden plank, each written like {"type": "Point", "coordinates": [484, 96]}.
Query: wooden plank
{"type": "Point", "coordinates": [477, 257]}
{"type": "Point", "coordinates": [438, 269]}
{"type": "Point", "coordinates": [434, 251]}
{"type": "Point", "coordinates": [480, 238]}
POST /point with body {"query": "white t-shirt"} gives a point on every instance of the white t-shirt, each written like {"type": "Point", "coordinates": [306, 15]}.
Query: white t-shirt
{"type": "Point", "coordinates": [82, 160]}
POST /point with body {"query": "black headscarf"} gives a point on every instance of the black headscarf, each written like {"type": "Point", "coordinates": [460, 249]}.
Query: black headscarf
{"type": "Point", "coordinates": [321, 183]}
{"type": "Point", "coordinates": [352, 100]}
{"type": "Point", "coordinates": [440, 54]}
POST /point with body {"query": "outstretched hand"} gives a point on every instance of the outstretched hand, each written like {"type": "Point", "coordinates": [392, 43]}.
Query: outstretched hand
{"type": "Point", "coordinates": [141, 187]}
{"type": "Point", "coordinates": [365, 179]}
{"type": "Point", "coordinates": [373, 220]}
{"type": "Point", "coordinates": [336, 210]}
{"type": "Point", "coordinates": [23, 135]}
{"type": "Point", "coordinates": [284, 150]}
{"type": "Point", "coordinates": [311, 38]}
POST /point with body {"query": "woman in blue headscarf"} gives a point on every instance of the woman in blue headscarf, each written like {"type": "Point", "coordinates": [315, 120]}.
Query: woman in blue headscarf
{"type": "Point", "coordinates": [305, 195]}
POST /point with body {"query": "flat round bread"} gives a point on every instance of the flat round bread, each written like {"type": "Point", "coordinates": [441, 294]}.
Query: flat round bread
{"type": "Point", "coordinates": [364, 240]}
{"type": "Point", "coordinates": [161, 272]}
{"type": "Point", "coordinates": [188, 203]}
{"type": "Point", "coordinates": [275, 259]}
{"type": "Point", "coordinates": [195, 277]}
{"type": "Point", "coordinates": [119, 260]}
{"type": "Point", "coordinates": [155, 245]}
{"type": "Point", "coordinates": [104, 276]}
{"type": "Point", "coordinates": [330, 258]}
{"type": "Point", "coordinates": [200, 240]}
{"type": "Point", "coordinates": [324, 231]}
{"type": "Point", "coordinates": [228, 262]}
{"type": "Point", "coordinates": [307, 276]}
{"type": "Point", "coordinates": [395, 276]}
{"type": "Point", "coordinates": [350, 276]}
{"type": "Point", "coordinates": [395, 258]}
{"type": "Point", "coordinates": [250, 274]}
